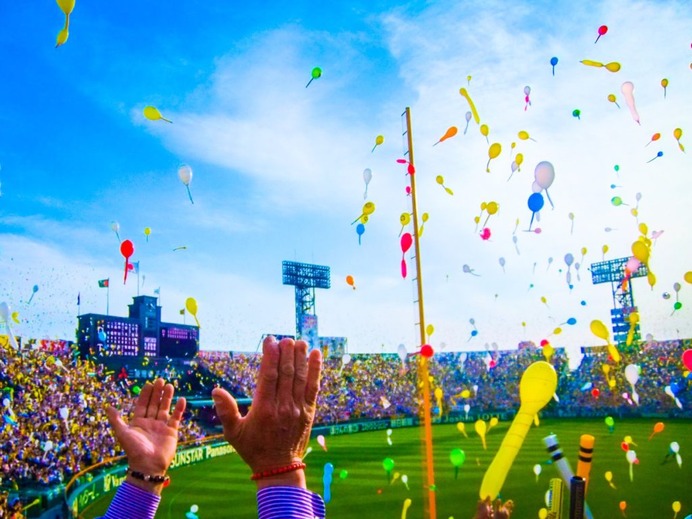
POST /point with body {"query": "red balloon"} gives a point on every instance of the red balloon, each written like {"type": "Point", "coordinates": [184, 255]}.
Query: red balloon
{"type": "Point", "coordinates": [602, 29]}
{"type": "Point", "coordinates": [127, 249]}
{"type": "Point", "coordinates": [687, 359]}
{"type": "Point", "coordinates": [595, 392]}
{"type": "Point", "coordinates": [625, 446]}
{"type": "Point", "coordinates": [427, 351]}
{"type": "Point", "coordinates": [406, 242]}
{"type": "Point", "coordinates": [544, 342]}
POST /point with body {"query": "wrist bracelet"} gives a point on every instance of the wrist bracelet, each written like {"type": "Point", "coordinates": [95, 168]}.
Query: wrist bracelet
{"type": "Point", "coordinates": [165, 479]}
{"type": "Point", "coordinates": [298, 465]}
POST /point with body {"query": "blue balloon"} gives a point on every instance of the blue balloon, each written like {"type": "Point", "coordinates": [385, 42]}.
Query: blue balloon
{"type": "Point", "coordinates": [674, 388]}
{"type": "Point", "coordinates": [553, 61]}
{"type": "Point", "coordinates": [360, 229]}
{"type": "Point", "coordinates": [536, 202]}
{"type": "Point", "coordinates": [102, 335]}
{"type": "Point", "coordinates": [474, 333]}
{"type": "Point", "coordinates": [571, 321]}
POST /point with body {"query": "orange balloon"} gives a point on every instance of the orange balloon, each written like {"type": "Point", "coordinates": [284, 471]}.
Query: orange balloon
{"type": "Point", "coordinates": [350, 281]}
{"type": "Point", "coordinates": [659, 427]}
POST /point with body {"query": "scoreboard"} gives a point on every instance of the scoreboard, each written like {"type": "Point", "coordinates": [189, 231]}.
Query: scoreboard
{"type": "Point", "coordinates": [178, 341]}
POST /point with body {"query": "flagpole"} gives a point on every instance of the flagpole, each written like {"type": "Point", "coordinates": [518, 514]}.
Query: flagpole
{"type": "Point", "coordinates": [108, 296]}
{"type": "Point", "coordinates": [138, 279]}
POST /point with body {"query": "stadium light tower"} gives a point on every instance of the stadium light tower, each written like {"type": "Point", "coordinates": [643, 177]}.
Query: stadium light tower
{"type": "Point", "coordinates": [306, 278]}
{"type": "Point", "coordinates": [613, 272]}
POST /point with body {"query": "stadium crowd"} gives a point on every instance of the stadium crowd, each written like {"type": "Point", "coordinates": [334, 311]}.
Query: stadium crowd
{"type": "Point", "coordinates": [53, 422]}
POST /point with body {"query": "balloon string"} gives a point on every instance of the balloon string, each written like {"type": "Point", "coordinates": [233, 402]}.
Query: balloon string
{"type": "Point", "coordinates": [188, 190]}
{"type": "Point", "coordinates": [309, 82]}
{"type": "Point", "coordinates": [549, 200]}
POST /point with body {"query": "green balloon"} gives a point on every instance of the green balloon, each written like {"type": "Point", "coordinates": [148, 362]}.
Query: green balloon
{"type": "Point", "coordinates": [677, 305]}
{"type": "Point", "coordinates": [343, 474]}
{"type": "Point", "coordinates": [609, 421]}
{"type": "Point", "coordinates": [388, 464]}
{"type": "Point", "coordinates": [136, 390]}
{"type": "Point", "coordinates": [457, 457]}
{"type": "Point", "coordinates": [616, 201]}
{"type": "Point", "coordinates": [316, 72]}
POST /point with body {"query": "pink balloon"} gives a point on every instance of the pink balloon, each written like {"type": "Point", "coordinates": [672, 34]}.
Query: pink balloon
{"type": "Point", "coordinates": [632, 264]}
{"type": "Point", "coordinates": [406, 242]}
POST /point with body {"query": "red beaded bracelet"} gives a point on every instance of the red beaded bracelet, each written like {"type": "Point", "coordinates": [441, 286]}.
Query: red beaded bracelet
{"type": "Point", "coordinates": [298, 465]}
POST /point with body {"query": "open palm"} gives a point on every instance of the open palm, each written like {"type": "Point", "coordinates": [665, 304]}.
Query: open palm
{"type": "Point", "coordinates": [151, 437]}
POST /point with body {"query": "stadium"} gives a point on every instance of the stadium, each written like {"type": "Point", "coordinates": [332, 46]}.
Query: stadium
{"type": "Point", "coordinates": [477, 316]}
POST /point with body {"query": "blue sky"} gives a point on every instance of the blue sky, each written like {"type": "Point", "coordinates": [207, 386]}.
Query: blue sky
{"type": "Point", "coordinates": [278, 168]}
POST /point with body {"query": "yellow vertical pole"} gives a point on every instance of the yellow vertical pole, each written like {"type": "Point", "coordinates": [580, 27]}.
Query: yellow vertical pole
{"type": "Point", "coordinates": [423, 377]}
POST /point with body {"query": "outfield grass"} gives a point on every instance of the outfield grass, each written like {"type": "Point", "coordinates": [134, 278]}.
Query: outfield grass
{"type": "Point", "coordinates": [221, 487]}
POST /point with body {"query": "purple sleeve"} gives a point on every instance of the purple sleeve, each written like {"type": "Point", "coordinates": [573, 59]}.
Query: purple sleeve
{"type": "Point", "coordinates": [289, 503]}
{"type": "Point", "coordinates": [132, 502]}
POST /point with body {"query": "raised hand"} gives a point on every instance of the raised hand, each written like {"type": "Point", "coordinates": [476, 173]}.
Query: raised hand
{"type": "Point", "coordinates": [151, 437]}
{"type": "Point", "coordinates": [276, 430]}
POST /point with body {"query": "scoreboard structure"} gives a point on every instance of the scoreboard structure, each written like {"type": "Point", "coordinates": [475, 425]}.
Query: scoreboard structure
{"type": "Point", "coordinates": [140, 335]}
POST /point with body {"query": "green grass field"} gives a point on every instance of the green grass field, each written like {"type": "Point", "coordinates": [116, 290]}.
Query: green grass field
{"type": "Point", "coordinates": [221, 487]}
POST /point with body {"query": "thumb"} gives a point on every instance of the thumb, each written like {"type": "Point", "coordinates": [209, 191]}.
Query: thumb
{"type": "Point", "coordinates": [226, 410]}
{"type": "Point", "coordinates": [117, 423]}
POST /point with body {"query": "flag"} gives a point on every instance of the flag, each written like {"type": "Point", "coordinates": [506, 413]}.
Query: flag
{"type": "Point", "coordinates": [103, 283]}
{"type": "Point", "coordinates": [158, 291]}
{"type": "Point", "coordinates": [182, 311]}
{"type": "Point", "coordinates": [79, 299]}
{"type": "Point", "coordinates": [136, 266]}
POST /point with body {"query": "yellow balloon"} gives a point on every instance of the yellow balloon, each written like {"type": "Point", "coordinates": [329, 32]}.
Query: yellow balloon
{"type": "Point", "coordinates": [543, 513]}
{"type": "Point", "coordinates": [613, 351]}
{"type": "Point", "coordinates": [485, 130]}
{"type": "Point", "coordinates": [677, 133]}
{"type": "Point", "coordinates": [612, 98]}
{"type": "Point", "coordinates": [557, 331]}
{"type": "Point", "coordinates": [519, 159]}
{"type": "Point", "coordinates": [481, 428]}
{"type": "Point", "coordinates": [438, 393]}
{"type": "Point", "coordinates": [536, 387]}
{"type": "Point", "coordinates": [152, 113]}
{"type": "Point", "coordinates": [440, 179]}
{"type": "Point", "coordinates": [544, 300]}
{"type": "Point", "coordinates": [613, 66]}
{"type": "Point", "coordinates": [425, 217]}
{"type": "Point", "coordinates": [609, 476]}
{"type": "Point", "coordinates": [15, 317]}
{"type": "Point", "coordinates": [634, 318]}
{"type": "Point", "coordinates": [492, 207]}
{"type": "Point", "coordinates": [651, 278]}
{"type": "Point", "coordinates": [640, 251]}
{"type": "Point", "coordinates": [584, 250]}
{"type": "Point", "coordinates": [644, 229]}
{"type": "Point", "coordinates": [63, 35]}
{"type": "Point", "coordinates": [465, 393]}
{"type": "Point", "coordinates": [379, 140]}
{"type": "Point", "coordinates": [688, 276]}
{"type": "Point", "coordinates": [604, 249]}
{"type": "Point", "coordinates": [494, 150]}
{"type": "Point", "coordinates": [606, 369]}
{"type": "Point", "coordinates": [634, 212]}
{"type": "Point", "coordinates": [147, 231]}
{"type": "Point", "coordinates": [677, 506]}
{"type": "Point", "coordinates": [523, 135]}
{"type": "Point", "coordinates": [483, 206]}
{"type": "Point", "coordinates": [368, 208]}
{"type": "Point", "coordinates": [430, 329]}
{"type": "Point", "coordinates": [599, 330]}
{"type": "Point", "coordinates": [493, 422]}
{"type": "Point", "coordinates": [611, 382]}
{"type": "Point", "coordinates": [476, 219]}
{"type": "Point", "coordinates": [628, 439]}
{"type": "Point", "coordinates": [191, 306]}
{"type": "Point", "coordinates": [591, 63]}
{"type": "Point", "coordinates": [66, 6]}
{"type": "Point", "coordinates": [405, 218]}
{"type": "Point", "coordinates": [548, 352]}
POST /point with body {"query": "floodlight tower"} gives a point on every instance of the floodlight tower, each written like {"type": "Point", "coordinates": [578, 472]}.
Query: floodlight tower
{"type": "Point", "coordinates": [306, 278]}
{"type": "Point", "coordinates": [613, 272]}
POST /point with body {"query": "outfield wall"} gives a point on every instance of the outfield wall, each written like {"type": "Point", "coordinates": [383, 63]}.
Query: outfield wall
{"type": "Point", "coordinates": [82, 491]}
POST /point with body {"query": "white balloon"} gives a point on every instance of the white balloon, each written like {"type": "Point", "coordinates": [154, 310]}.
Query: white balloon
{"type": "Point", "coordinates": [632, 373]}
{"type": "Point", "coordinates": [537, 469]}
{"type": "Point", "coordinates": [346, 359]}
{"type": "Point", "coordinates": [536, 188]}
{"type": "Point", "coordinates": [631, 456]}
{"type": "Point", "coordinates": [544, 174]}
{"type": "Point", "coordinates": [367, 175]}
{"type": "Point", "coordinates": [185, 174]}
{"type": "Point", "coordinates": [401, 351]}
{"type": "Point", "coordinates": [194, 509]}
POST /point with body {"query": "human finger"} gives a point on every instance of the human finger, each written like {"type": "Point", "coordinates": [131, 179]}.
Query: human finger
{"type": "Point", "coordinates": [155, 399]}
{"type": "Point", "coordinates": [227, 411]}
{"type": "Point", "coordinates": [269, 370]}
{"type": "Point", "coordinates": [165, 404]}
{"type": "Point", "coordinates": [142, 402]}
{"type": "Point", "coordinates": [287, 371]}
{"type": "Point", "coordinates": [177, 415]}
{"type": "Point", "coordinates": [117, 423]}
{"type": "Point", "coordinates": [301, 372]}
{"type": "Point", "coordinates": [312, 385]}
